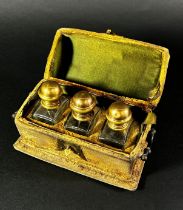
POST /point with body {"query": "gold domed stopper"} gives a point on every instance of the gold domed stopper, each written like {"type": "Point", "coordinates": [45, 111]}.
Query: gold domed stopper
{"type": "Point", "coordinates": [50, 92]}
{"type": "Point", "coordinates": [118, 115]}
{"type": "Point", "coordinates": [82, 103]}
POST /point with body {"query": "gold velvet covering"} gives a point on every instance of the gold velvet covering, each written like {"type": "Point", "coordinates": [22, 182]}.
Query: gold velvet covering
{"type": "Point", "coordinates": [109, 66]}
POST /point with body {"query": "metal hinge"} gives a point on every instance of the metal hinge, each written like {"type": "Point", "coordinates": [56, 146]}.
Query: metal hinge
{"type": "Point", "coordinates": [109, 31]}
{"type": "Point", "coordinates": [14, 115]}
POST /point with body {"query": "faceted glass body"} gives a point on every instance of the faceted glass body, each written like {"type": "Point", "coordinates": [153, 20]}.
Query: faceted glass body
{"type": "Point", "coordinates": [82, 127]}
{"type": "Point", "coordinates": [112, 137]}
{"type": "Point", "coordinates": [50, 116]}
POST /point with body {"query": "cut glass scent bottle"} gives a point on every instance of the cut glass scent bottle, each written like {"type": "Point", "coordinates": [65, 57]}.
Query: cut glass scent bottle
{"type": "Point", "coordinates": [84, 113]}
{"type": "Point", "coordinates": [117, 126]}
{"type": "Point", "coordinates": [52, 103]}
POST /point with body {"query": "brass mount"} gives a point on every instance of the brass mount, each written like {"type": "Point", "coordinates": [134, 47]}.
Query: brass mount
{"type": "Point", "coordinates": [118, 116]}
{"type": "Point", "coordinates": [82, 104]}
{"type": "Point", "coordinates": [50, 92]}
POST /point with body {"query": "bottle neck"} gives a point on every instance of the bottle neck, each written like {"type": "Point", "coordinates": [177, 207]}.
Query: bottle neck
{"type": "Point", "coordinates": [119, 127]}
{"type": "Point", "coordinates": [50, 104]}
{"type": "Point", "coordinates": [82, 116]}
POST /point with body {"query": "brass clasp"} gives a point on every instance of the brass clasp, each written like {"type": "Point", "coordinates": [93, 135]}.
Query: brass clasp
{"type": "Point", "coordinates": [71, 148]}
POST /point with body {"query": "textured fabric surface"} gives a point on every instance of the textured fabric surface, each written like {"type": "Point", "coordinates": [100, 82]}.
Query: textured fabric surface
{"type": "Point", "coordinates": [124, 68]}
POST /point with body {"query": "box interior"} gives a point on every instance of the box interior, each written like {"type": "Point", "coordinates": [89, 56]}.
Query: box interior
{"type": "Point", "coordinates": [138, 114]}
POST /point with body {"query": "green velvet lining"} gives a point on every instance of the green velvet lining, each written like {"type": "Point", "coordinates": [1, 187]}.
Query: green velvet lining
{"type": "Point", "coordinates": [123, 68]}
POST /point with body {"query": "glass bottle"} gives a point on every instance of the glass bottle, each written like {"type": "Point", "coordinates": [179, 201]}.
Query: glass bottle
{"type": "Point", "coordinates": [52, 103]}
{"type": "Point", "coordinates": [84, 113]}
{"type": "Point", "coordinates": [117, 126]}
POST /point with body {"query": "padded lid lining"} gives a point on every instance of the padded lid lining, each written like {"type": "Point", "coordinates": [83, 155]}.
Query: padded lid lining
{"type": "Point", "coordinates": [122, 66]}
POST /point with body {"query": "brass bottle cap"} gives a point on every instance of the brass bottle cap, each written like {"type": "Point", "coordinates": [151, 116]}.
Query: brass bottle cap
{"type": "Point", "coordinates": [50, 92]}
{"type": "Point", "coordinates": [82, 103]}
{"type": "Point", "coordinates": [118, 115]}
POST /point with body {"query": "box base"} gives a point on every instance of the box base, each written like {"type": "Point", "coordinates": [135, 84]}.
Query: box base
{"type": "Point", "coordinates": [86, 169]}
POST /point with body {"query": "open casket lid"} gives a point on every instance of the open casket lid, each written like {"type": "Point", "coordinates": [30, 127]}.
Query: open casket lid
{"type": "Point", "coordinates": [129, 68]}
